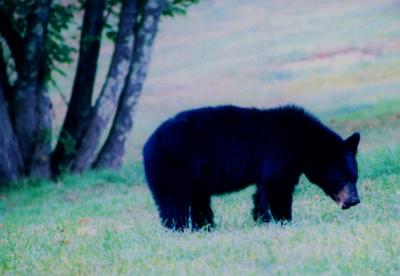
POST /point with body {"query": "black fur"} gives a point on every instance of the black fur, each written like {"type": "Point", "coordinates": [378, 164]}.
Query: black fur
{"type": "Point", "coordinates": [217, 150]}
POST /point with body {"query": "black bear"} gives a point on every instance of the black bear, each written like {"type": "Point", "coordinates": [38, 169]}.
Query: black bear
{"type": "Point", "coordinates": [215, 150]}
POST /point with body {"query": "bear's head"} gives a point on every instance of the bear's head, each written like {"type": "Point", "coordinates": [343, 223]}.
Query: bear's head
{"type": "Point", "coordinates": [335, 171]}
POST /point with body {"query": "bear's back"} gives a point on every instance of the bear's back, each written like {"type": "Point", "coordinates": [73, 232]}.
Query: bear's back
{"type": "Point", "coordinates": [227, 127]}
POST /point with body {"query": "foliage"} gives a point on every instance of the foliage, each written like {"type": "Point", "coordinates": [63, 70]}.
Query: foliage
{"type": "Point", "coordinates": [59, 48]}
{"type": "Point", "coordinates": [111, 19]}
{"type": "Point", "coordinates": [62, 36]}
{"type": "Point", "coordinates": [19, 12]}
{"type": "Point", "coordinates": [172, 8]}
{"type": "Point", "coordinates": [178, 7]}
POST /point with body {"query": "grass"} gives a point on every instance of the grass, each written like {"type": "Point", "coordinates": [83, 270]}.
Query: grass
{"type": "Point", "coordinates": [341, 61]}
{"type": "Point", "coordinates": [106, 223]}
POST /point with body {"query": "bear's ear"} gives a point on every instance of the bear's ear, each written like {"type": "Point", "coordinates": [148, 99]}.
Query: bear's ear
{"type": "Point", "coordinates": [352, 142]}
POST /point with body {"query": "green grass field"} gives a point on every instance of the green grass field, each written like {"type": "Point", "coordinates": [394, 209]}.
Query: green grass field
{"type": "Point", "coordinates": [344, 67]}
{"type": "Point", "coordinates": [106, 223]}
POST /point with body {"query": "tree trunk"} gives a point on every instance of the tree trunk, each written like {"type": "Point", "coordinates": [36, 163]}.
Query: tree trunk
{"type": "Point", "coordinates": [4, 80]}
{"type": "Point", "coordinates": [40, 165]}
{"type": "Point", "coordinates": [107, 102]}
{"type": "Point", "coordinates": [112, 153]}
{"type": "Point", "coordinates": [12, 38]}
{"type": "Point", "coordinates": [80, 104]}
{"type": "Point", "coordinates": [26, 97]}
{"type": "Point", "coordinates": [11, 166]}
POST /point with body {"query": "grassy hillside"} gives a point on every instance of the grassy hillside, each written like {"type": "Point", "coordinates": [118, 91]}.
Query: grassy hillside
{"type": "Point", "coordinates": [340, 60]}
{"type": "Point", "coordinates": [106, 223]}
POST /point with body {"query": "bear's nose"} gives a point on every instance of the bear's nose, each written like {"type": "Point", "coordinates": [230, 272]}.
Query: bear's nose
{"type": "Point", "coordinates": [350, 203]}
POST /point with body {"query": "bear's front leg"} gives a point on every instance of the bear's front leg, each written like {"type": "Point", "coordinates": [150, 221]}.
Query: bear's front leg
{"type": "Point", "coordinates": [201, 213]}
{"type": "Point", "coordinates": [280, 197]}
{"type": "Point", "coordinates": [261, 207]}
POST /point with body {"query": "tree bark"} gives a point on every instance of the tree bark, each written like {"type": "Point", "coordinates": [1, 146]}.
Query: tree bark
{"type": "Point", "coordinates": [107, 102]}
{"type": "Point", "coordinates": [4, 80]}
{"type": "Point", "coordinates": [40, 164]}
{"type": "Point", "coordinates": [112, 153]}
{"type": "Point", "coordinates": [80, 105]}
{"type": "Point", "coordinates": [12, 38]}
{"type": "Point", "coordinates": [27, 84]}
{"type": "Point", "coordinates": [11, 165]}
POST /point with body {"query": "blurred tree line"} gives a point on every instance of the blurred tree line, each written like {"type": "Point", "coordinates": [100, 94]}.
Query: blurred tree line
{"type": "Point", "coordinates": [32, 46]}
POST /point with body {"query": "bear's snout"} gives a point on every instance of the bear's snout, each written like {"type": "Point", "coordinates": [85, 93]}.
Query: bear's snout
{"type": "Point", "coordinates": [350, 203]}
{"type": "Point", "coordinates": [347, 197]}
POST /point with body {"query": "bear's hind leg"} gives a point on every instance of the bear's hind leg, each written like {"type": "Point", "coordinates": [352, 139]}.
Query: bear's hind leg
{"type": "Point", "coordinates": [261, 207]}
{"type": "Point", "coordinates": [201, 213]}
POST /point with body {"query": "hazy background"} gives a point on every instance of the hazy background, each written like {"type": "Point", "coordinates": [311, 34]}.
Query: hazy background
{"type": "Point", "coordinates": [330, 56]}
